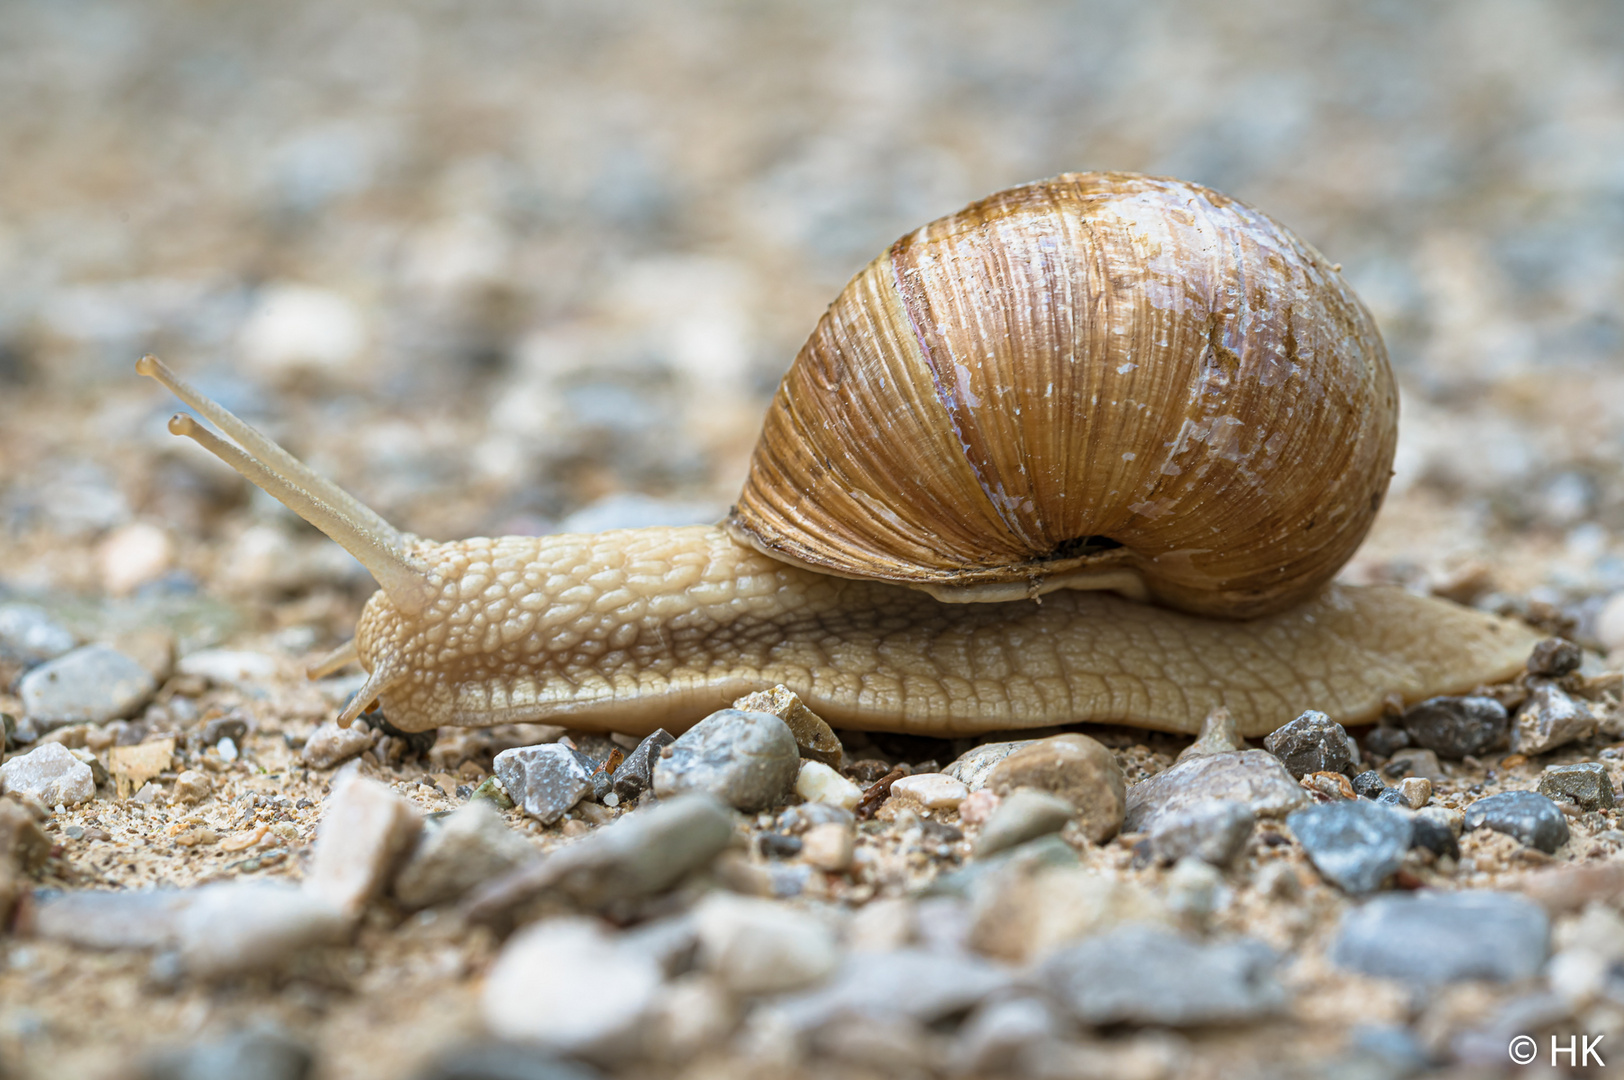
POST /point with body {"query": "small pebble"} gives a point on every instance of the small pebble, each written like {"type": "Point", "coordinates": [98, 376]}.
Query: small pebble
{"type": "Point", "coordinates": [1453, 727]}
{"type": "Point", "coordinates": [50, 773]}
{"type": "Point", "coordinates": [1586, 784]}
{"type": "Point", "coordinates": [798, 819]}
{"type": "Point", "coordinates": [1413, 762]}
{"type": "Point", "coordinates": [1385, 739]}
{"type": "Point", "coordinates": [819, 783]}
{"type": "Point", "coordinates": [1029, 908]}
{"type": "Point", "coordinates": [1253, 777]}
{"type": "Point", "coordinates": [1441, 937]}
{"type": "Point", "coordinates": [566, 985]}
{"type": "Point", "coordinates": [230, 667]}
{"type": "Point", "coordinates": [1554, 658]}
{"type": "Point", "coordinates": [1355, 845]}
{"type": "Point", "coordinates": [545, 781]}
{"type": "Point", "coordinates": [971, 767]}
{"type": "Point", "coordinates": [466, 848]}
{"type": "Point", "coordinates": [1022, 815]}
{"type": "Point", "coordinates": [1448, 817]}
{"type": "Point", "coordinates": [1074, 768]}
{"type": "Point", "coordinates": [829, 847]}
{"type": "Point", "coordinates": [978, 807]}
{"type": "Point", "coordinates": [1311, 743]}
{"type": "Point", "coordinates": [816, 739]}
{"type": "Point", "coordinates": [748, 760]}
{"type": "Point", "coordinates": [1368, 784]}
{"type": "Point", "coordinates": [1528, 816]}
{"type": "Point", "coordinates": [636, 772]}
{"type": "Point", "coordinates": [330, 745]}
{"type": "Point", "coordinates": [762, 947]}
{"type": "Point", "coordinates": [1195, 889]}
{"type": "Point", "coordinates": [934, 791]}
{"type": "Point", "coordinates": [365, 833]}
{"type": "Point", "coordinates": [1434, 835]}
{"type": "Point", "coordinates": [1550, 718]}
{"type": "Point", "coordinates": [191, 786]}
{"type": "Point", "coordinates": [92, 684]}
{"type": "Point", "coordinates": [910, 983]}
{"type": "Point", "coordinates": [778, 845]}
{"type": "Point", "coordinates": [1140, 974]}
{"type": "Point", "coordinates": [1215, 831]}
{"type": "Point", "coordinates": [1417, 791]}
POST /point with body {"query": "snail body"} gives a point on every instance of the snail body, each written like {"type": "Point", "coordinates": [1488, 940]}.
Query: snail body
{"type": "Point", "coordinates": [1097, 382]}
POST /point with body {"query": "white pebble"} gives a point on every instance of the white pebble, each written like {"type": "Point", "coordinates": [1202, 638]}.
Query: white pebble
{"type": "Point", "coordinates": [298, 328]}
{"type": "Point", "coordinates": [50, 773]}
{"type": "Point", "coordinates": [133, 555]}
{"type": "Point", "coordinates": [1416, 791]}
{"type": "Point", "coordinates": [935, 791]}
{"type": "Point", "coordinates": [758, 946]}
{"type": "Point", "coordinates": [817, 782]}
{"type": "Point", "coordinates": [828, 846]}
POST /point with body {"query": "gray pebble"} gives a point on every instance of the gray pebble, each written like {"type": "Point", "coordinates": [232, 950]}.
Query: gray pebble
{"type": "Point", "coordinates": [1586, 784]}
{"type": "Point", "coordinates": [971, 767]}
{"type": "Point", "coordinates": [467, 847]}
{"type": "Point", "coordinates": [545, 781]}
{"type": "Point", "coordinates": [1392, 796]}
{"type": "Point", "coordinates": [1214, 832]}
{"type": "Point", "coordinates": [113, 919]}
{"type": "Point", "coordinates": [1550, 718]}
{"type": "Point", "coordinates": [30, 635]}
{"type": "Point", "coordinates": [1368, 784]}
{"type": "Point", "coordinates": [1253, 777]}
{"type": "Point", "coordinates": [1311, 743]}
{"type": "Point", "coordinates": [1384, 739]}
{"type": "Point", "coordinates": [1431, 833]}
{"type": "Point", "coordinates": [240, 927]}
{"type": "Point", "coordinates": [1023, 815]}
{"type": "Point", "coordinates": [1413, 762]}
{"type": "Point", "coordinates": [1355, 844]}
{"type": "Point", "coordinates": [93, 684]}
{"type": "Point", "coordinates": [491, 1059]}
{"type": "Point", "coordinates": [640, 854]}
{"type": "Point", "coordinates": [907, 983]}
{"type": "Point", "coordinates": [798, 819]}
{"type": "Point", "coordinates": [1554, 658]}
{"type": "Point", "coordinates": [1528, 816]}
{"type": "Point", "coordinates": [1453, 727]}
{"type": "Point", "coordinates": [329, 744]}
{"type": "Point", "coordinates": [1140, 974]}
{"type": "Point", "coordinates": [262, 1052]}
{"type": "Point", "coordinates": [636, 772]}
{"type": "Point", "coordinates": [748, 760]}
{"type": "Point", "coordinates": [1433, 938]}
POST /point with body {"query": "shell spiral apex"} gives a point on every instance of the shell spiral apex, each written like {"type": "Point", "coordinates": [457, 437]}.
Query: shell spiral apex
{"type": "Point", "coordinates": [1101, 380]}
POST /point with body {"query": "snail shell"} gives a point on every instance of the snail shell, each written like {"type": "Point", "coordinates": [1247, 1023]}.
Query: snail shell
{"type": "Point", "coordinates": [1102, 380]}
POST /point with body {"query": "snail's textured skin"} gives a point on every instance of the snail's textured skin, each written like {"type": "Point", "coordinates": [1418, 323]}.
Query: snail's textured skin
{"type": "Point", "coordinates": [641, 628]}
{"type": "Point", "coordinates": [1095, 355]}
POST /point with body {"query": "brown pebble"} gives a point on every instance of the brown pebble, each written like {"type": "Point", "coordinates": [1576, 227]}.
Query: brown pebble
{"type": "Point", "coordinates": [1076, 768]}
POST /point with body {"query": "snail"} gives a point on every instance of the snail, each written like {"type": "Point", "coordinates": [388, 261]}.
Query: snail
{"type": "Point", "coordinates": [1090, 449]}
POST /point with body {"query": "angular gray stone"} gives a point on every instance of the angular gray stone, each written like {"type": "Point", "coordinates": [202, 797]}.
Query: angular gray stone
{"type": "Point", "coordinates": [545, 781]}
{"type": "Point", "coordinates": [329, 744]}
{"type": "Point", "coordinates": [1354, 844]}
{"type": "Point", "coordinates": [1528, 816]}
{"type": "Point", "coordinates": [1453, 727]}
{"type": "Point", "coordinates": [1433, 937]}
{"type": "Point", "coordinates": [1549, 718]}
{"type": "Point", "coordinates": [636, 772]}
{"type": "Point", "coordinates": [1139, 974]}
{"type": "Point", "coordinates": [971, 767]}
{"type": "Point", "coordinates": [1253, 777]}
{"type": "Point", "coordinates": [1311, 743]}
{"type": "Point", "coordinates": [466, 848]}
{"type": "Point", "coordinates": [639, 855]}
{"type": "Point", "coordinates": [1585, 784]}
{"type": "Point", "coordinates": [1214, 832]}
{"type": "Point", "coordinates": [1023, 815]}
{"type": "Point", "coordinates": [31, 635]}
{"type": "Point", "coordinates": [90, 685]}
{"type": "Point", "coordinates": [51, 773]}
{"type": "Point", "coordinates": [906, 983]}
{"type": "Point", "coordinates": [1554, 658]}
{"type": "Point", "coordinates": [748, 760]}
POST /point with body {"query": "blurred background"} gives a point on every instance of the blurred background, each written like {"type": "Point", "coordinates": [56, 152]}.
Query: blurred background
{"type": "Point", "coordinates": [513, 267]}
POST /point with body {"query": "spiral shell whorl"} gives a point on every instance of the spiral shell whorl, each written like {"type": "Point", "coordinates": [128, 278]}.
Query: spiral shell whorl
{"type": "Point", "coordinates": [1090, 376]}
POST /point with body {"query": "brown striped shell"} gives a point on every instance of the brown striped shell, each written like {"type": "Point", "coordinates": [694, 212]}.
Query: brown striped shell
{"type": "Point", "coordinates": [1102, 380]}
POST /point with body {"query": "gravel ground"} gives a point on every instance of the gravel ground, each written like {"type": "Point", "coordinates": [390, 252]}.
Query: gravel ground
{"type": "Point", "coordinates": [517, 269]}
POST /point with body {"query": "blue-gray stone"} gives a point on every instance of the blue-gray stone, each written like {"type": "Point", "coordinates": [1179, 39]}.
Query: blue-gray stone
{"type": "Point", "coordinates": [1354, 844]}
{"type": "Point", "coordinates": [1431, 937]}
{"type": "Point", "coordinates": [1139, 974]}
{"type": "Point", "coordinates": [1527, 815]}
{"type": "Point", "coordinates": [545, 781]}
{"type": "Point", "coordinates": [1309, 744]}
{"type": "Point", "coordinates": [1453, 727]}
{"type": "Point", "coordinates": [636, 772]}
{"type": "Point", "coordinates": [1435, 836]}
{"type": "Point", "coordinates": [91, 685]}
{"type": "Point", "coordinates": [749, 760]}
